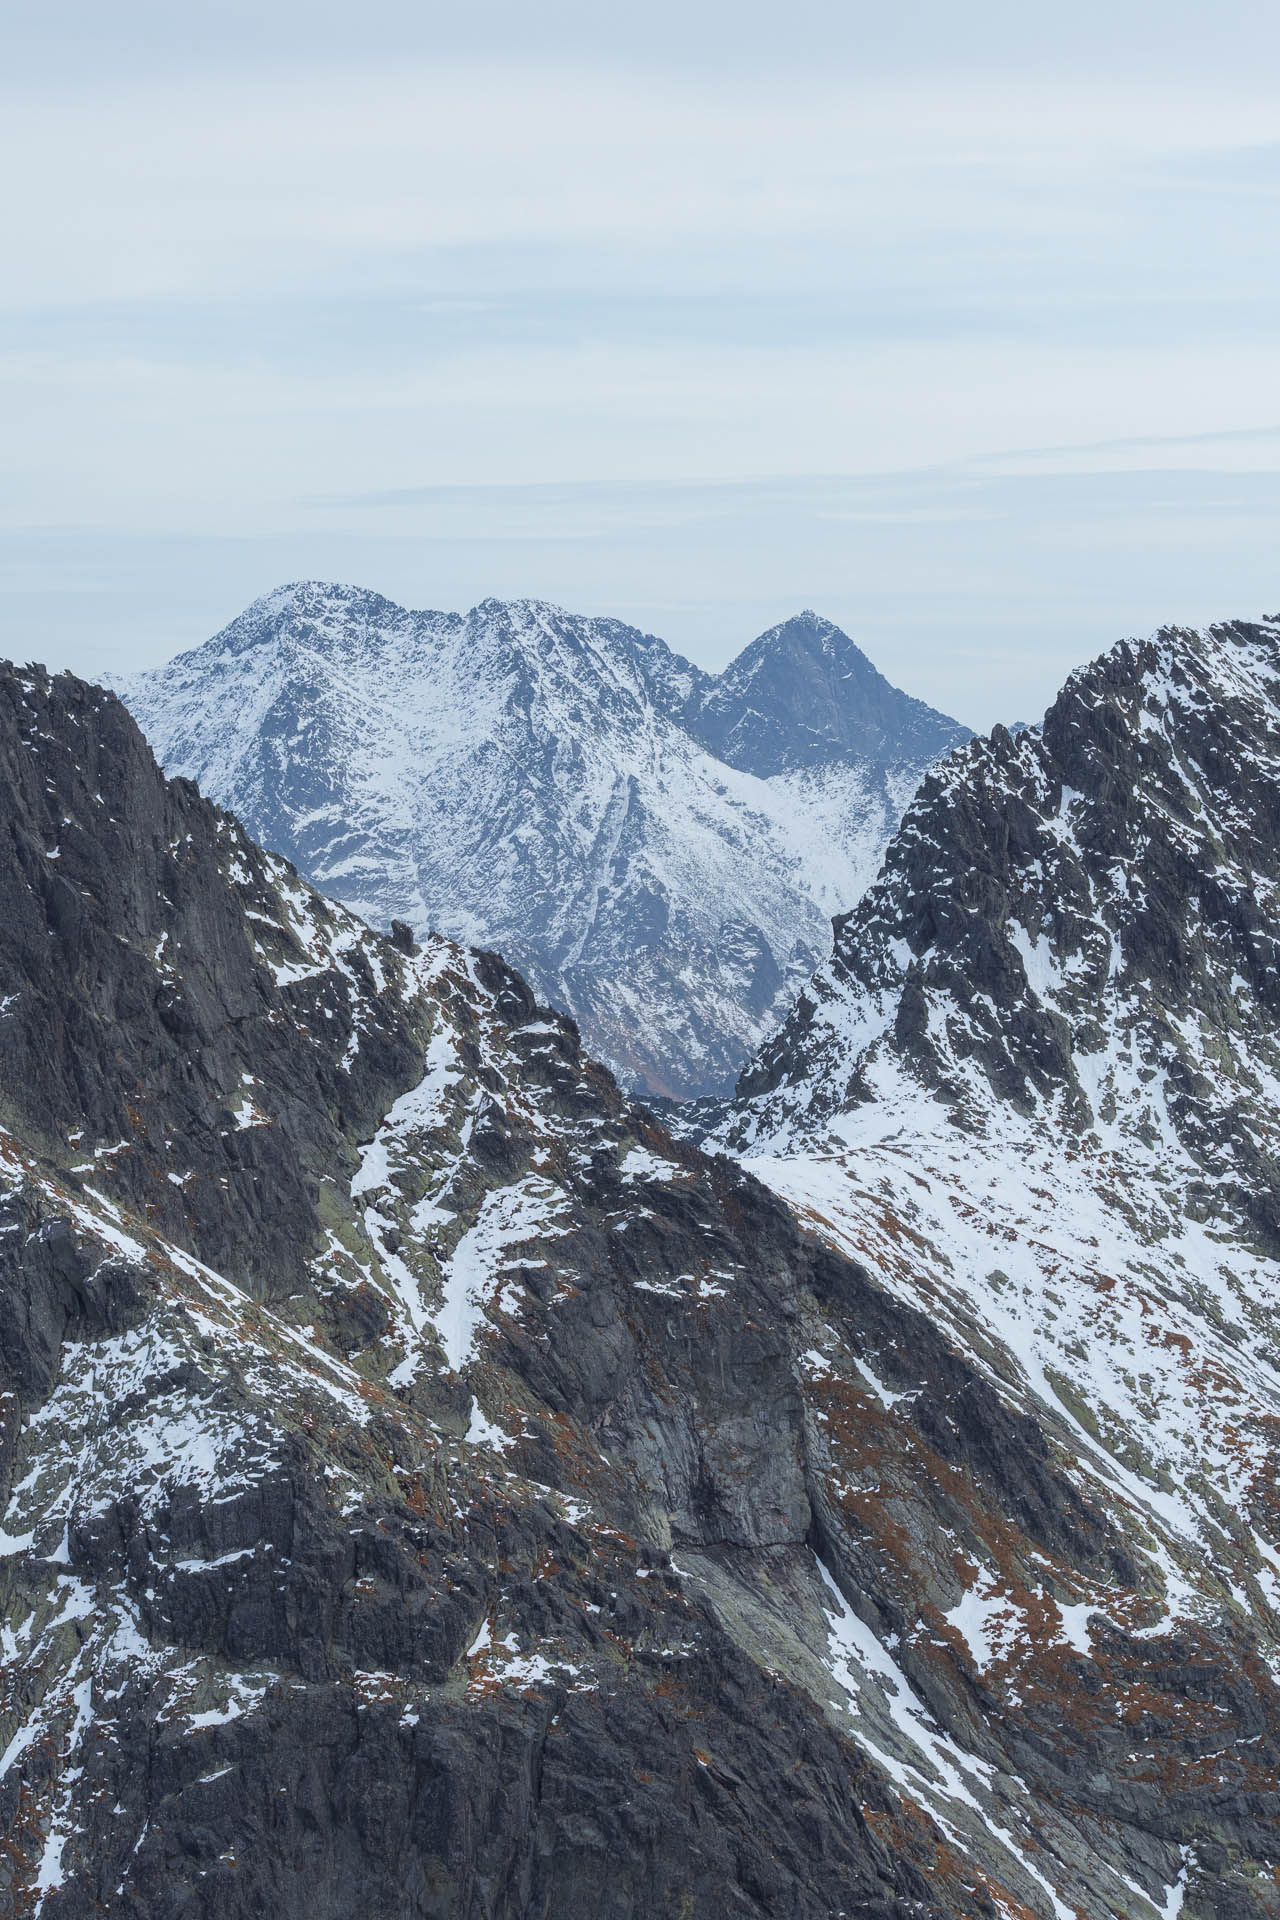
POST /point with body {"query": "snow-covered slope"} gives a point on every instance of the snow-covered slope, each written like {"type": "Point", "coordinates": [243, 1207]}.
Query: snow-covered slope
{"type": "Point", "coordinates": [549, 786]}
{"type": "Point", "coordinates": [429, 1489]}
{"type": "Point", "coordinates": [1037, 1092]}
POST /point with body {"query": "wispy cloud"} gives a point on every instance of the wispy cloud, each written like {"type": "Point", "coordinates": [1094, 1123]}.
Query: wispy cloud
{"type": "Point", "coordinates": [592, 306]}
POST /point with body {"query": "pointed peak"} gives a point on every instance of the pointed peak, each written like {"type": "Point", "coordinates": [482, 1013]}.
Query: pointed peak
{"type": "Point", "coordinates": [807, 641]}
{"type": "Point", "coordinates": [803, 693]}
{"type": "Point", "coordinates": [802, 629]}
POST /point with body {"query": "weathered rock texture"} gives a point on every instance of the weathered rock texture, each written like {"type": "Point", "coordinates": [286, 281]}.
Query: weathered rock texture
{"type": "Point", "coordinates": [1035, 1091]}
{"type": "Point", "coordinates": [430, 1490]}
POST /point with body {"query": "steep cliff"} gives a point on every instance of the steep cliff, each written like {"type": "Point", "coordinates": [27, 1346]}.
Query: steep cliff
{"type": "Point", "coordinates": [431, 1490]}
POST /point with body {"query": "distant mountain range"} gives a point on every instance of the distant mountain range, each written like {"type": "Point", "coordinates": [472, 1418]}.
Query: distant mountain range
{"type": "Point", "coordinates": [657, 848]}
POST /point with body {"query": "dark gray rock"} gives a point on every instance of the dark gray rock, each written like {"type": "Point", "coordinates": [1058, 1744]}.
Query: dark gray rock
{"type": "Point", "coordinates": [339, 1584]}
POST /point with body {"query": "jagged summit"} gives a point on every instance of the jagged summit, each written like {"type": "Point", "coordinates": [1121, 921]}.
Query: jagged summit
{"type": "Point", "coordinates": [430, 1492]}
{"type": "Point", "coordinates": [1096, 889]}
{"type": "Point", "coordinates": [539, 782]}
{"type": "Point", "coordinates": [1035, 1090]}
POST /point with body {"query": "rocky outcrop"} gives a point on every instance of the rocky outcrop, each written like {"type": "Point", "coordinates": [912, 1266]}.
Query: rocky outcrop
{"type": "Point", "coordinates": [1060, 898]}
{"type": "Point", "coordinates": [478, 1503]}
{"type": "Point", "coordinates": [1033, 1090]}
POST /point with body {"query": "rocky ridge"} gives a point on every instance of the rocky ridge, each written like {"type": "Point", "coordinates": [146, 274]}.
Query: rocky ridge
{"type": "Point", "coordinates": [1034, 1092]}
{"type": "Point", "coordinates": [659, 850]}
{"type": "Point", "coordinates": [431, 1489]}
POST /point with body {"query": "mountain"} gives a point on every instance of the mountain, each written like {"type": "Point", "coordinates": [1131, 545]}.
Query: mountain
{"type": "Point", "coordinates": [803, 695]}
{"type": "Point", "coordinates": [658, 850]}
{"type": "Point", "coordinates": [1035, 1092]}
{"type": "Point", "coordinates": [430, 1490]}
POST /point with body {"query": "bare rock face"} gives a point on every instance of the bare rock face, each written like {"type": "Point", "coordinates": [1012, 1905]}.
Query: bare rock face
{"type": "Point", "coordinates": [430, 1489]}
{"type": "Point", "coordinates": [1034, 1090]}
{"type": "Point", "coordinates": [658, 849]}
{"type": "Point", "coordinates": [804, 696]}
{"type": "Point", "coordinates": [1062, 896]}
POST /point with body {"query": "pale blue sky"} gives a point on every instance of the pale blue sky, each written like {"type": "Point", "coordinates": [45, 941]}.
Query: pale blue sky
{"type": "Point", "coordinates": [959, 325]}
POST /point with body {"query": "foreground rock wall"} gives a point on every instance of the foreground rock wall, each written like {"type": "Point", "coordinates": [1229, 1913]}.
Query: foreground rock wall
{"type": "Point", "coordinates": [432, 1490]}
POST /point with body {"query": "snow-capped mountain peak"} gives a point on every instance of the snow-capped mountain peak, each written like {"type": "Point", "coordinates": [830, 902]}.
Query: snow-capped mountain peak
{"type": "Point", "coordinates": [322, 613]}
{"type": "Point", "coordinates": [548, 785]}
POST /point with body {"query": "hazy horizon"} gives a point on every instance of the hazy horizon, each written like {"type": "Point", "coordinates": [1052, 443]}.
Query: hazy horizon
{"type": "Point", "coordinates": [712, 657]}
{"type": "Point", "coordinates": [959, 330]}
